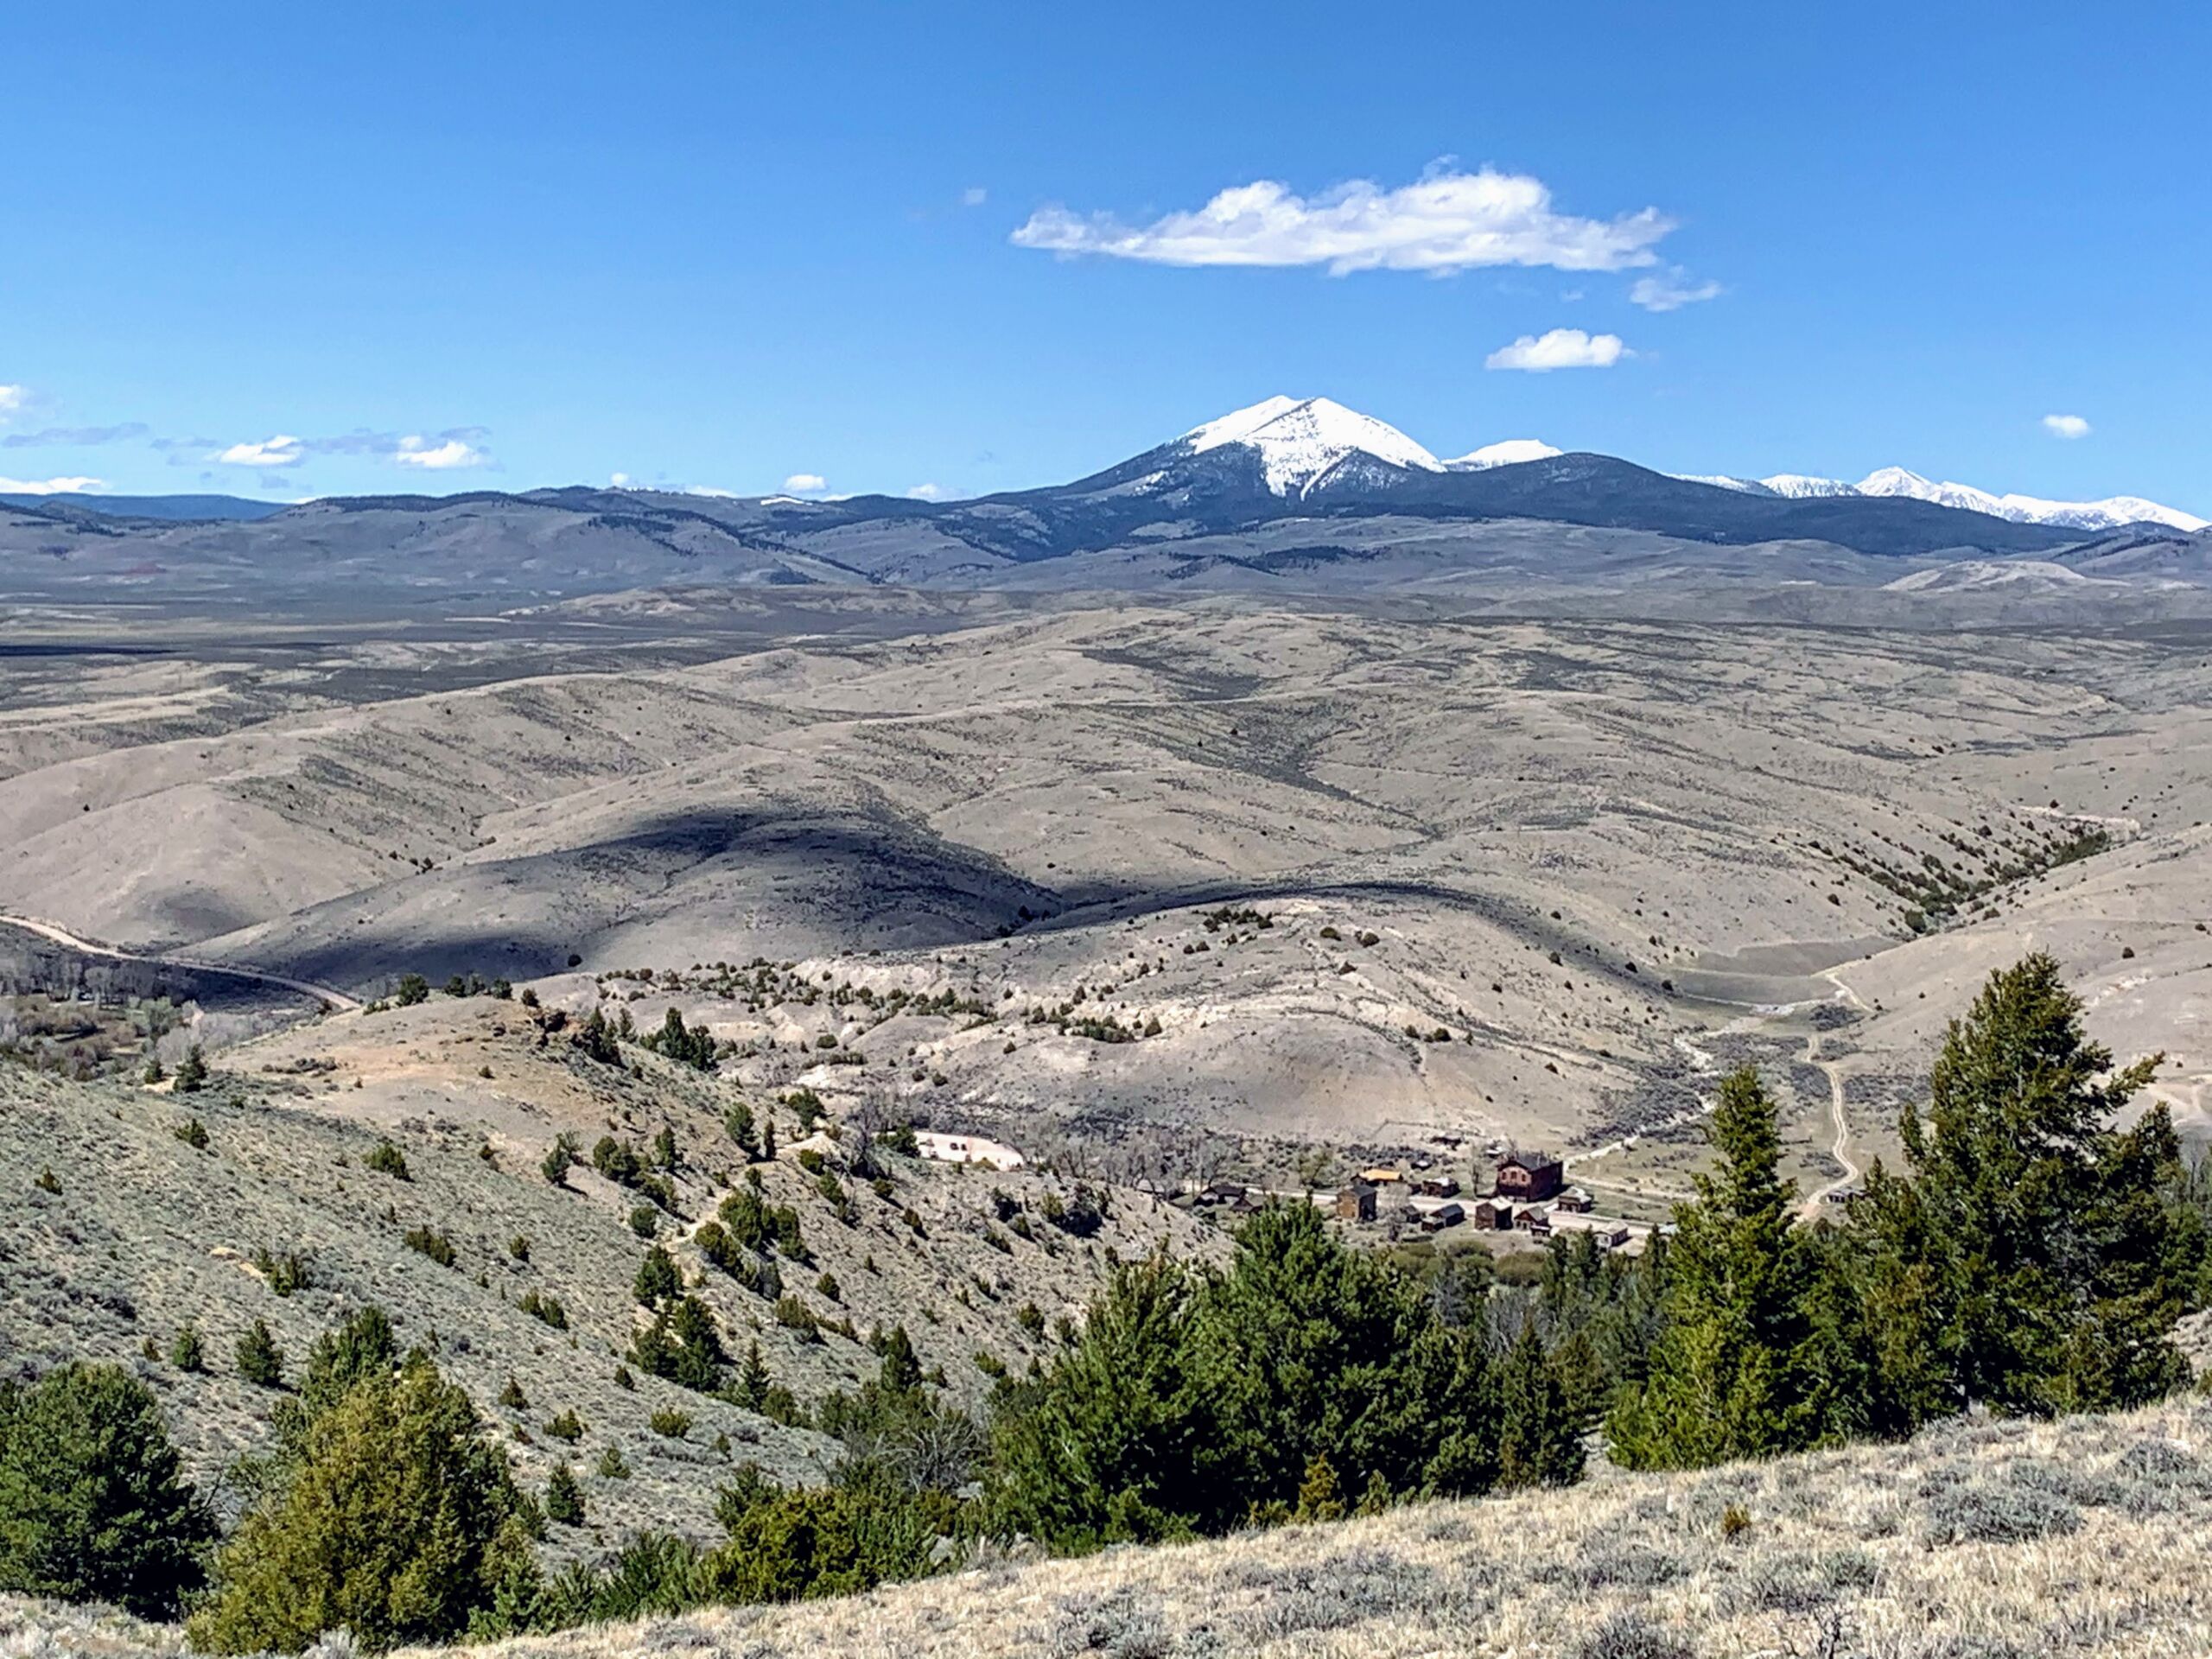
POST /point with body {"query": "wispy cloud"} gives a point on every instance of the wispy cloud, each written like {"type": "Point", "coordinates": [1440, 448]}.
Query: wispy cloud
{"type": "Point", "coordinates": [974, 196]}
{"type": "Point", "coordinates": [50, 486]}
{"type": "Point", "coordinates": [417, 451]}
{"type": "Point", "coordinates": [13, 398]}
{"type": "Point", "coordinates": [1672, 292]}
{"type": "Point", "coordinates": [1561, 348]}
{"type": "Point", "coordinates": [461, 446]}
{"type": "Point", "coordinates": [75, 436]}
{"type": "Point", "coordinates": [1447, 222]}
{"type": "Point", "coordinates": [2066, 426]}
{"type": "Point", "coordinates": [802, 481]}
{"type": "Point", "coordinates": [279, 451]}
{"type": "Point", "coordinates": [928, 493]}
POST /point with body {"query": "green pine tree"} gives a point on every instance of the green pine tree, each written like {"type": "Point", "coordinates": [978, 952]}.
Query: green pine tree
{"type": "Point", "coordinates": [94, 1503]}
{"type": "Point", "coordinates": [399, 1522]}
{"type": "Point", "coordinates": [1729, 1376]}
{"type": "Point", "coordinates": [1539, 1442]}
{"type": "Point", "coordinates": [2032, 1259]}
{"type": "Point", "coordinates": [261, 1362]}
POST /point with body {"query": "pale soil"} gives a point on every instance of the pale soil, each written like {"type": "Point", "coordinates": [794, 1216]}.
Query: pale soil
{"type": "Point", "coordinates": [1476, 794]}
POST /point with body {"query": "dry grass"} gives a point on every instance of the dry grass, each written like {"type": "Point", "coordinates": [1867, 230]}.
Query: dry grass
{"type": "Point", "coordinates": [1978, 1541]}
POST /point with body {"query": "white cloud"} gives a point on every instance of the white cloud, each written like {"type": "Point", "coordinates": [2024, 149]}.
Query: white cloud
{"type": "Point", "coordinates": [974, 196]}
{"type": "Point", "coordinates": [2066, 426]}
{"type": "Point", "coordinates": [1447, 222]}
{"type": "Point", "coordinates": [49, 486]}
{"type": "Point", "coordinates": [414, 451]}
{"type": "Point", "coordinates": [805, 481]}
{"type": "Point", "coordinates": [279, 451]}
{"type": "Point", "coordinates": [712, 492]}
{"type": "Point", "coordinates": [1672, 292]}
{"type": "Point", "coordinates": [1561, 348]}
{"type": "Point", "coordinates": [927, 493]}
{"type": "Point", "coordinates": [13, 398]}
{"type": "Point", "coordinates": [619, 481]}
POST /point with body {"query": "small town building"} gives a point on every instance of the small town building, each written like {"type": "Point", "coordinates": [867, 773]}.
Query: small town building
{"type": "Point", "coordinates": [1434, 1213]}
{"type": "Point", "coordinates": [1437, 1186]}
{"type": "Point", "coordinates": [1575, 1200]}
{"type": "Point", "coordinates": [1610, 1233]}
{"type": "Point", "coordinates": [1383, 1175]}
{"type": "Point", "coordinates": [1529, 1177]}
{"type": "Point", "coordinates": [1356, 1202]}
{"type": "Point", "coordinates": [1495, 1215]}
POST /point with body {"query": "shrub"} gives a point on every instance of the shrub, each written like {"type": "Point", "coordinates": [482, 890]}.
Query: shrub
{"type": "Point", "coordinates": [412, 988]}
{"type": "Point", "coordinates": [645, 1221]}
{"type": "Point", "coordinates": [94, 1504]}
{"type": "Point", "coordinates": [558, 1158]}
{"type": "Point", "coordinates": [261, 1362]}
{"type": "Point", "coordinates": [658, 1279]}
{"type": "Point", "coordinates": [187, 1352]}
{"type": "Point", "coordinates": [426, 1241]}
{"type": "Point", "coordinates": [567, 1426]}
{"type": "Point", "coordinates": [518, 1247]}
{"type": "Point", "coordinates": [285, 1274]}
{"type": "Point", "coordinates": [1630, 1636]}
{"type": "Point", "coordinates": [1998, 1514]}
{"type": "Point", "coordinates": [672, 1424]}
{"type": "Point", "coordinates": [386, 1159]}
{"type": "Point", "coordinates": [192, 1071]}
{"type": "Point", "coordinates": [564, 1498]}
{"type": "Point", "coordinates": [612, 1466]}
{"type": "Point", "coordinates": [193, 1133]}
{"type": "Point", "coordinates": [398, 1523]}
{"type": "Point", "coordinates": [546, 1309]}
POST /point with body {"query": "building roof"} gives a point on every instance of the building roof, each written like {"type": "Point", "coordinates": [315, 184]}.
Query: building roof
{"type": "Point", "coordinates": [1531, 1161]}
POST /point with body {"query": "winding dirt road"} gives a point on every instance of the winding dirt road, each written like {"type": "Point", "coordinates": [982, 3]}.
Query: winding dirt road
{"type": "Point", "coordinates": [333, 998]}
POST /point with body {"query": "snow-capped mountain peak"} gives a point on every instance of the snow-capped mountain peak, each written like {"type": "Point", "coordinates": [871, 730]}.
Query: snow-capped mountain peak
{"type": "Point", "coordinates": [1507, 452]}
{"type": "Point", "coordinates": [1299, 440]}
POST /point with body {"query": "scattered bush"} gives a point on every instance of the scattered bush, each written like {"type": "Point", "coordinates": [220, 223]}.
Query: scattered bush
{"type": "Point", "coordinates": [427, 1240]}
{"type": "Point", "coordinates": [261, 1362]}
{"type": "Point", "coordinates": [564, 1498]}
{"type": "Point", "coordinates": [187, 1352]}
{"type": "Point", "coordinates": [386, 1159]}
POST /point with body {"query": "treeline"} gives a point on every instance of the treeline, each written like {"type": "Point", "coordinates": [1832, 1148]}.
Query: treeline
{"type": "Point", "coordinates": [2031, 1258]}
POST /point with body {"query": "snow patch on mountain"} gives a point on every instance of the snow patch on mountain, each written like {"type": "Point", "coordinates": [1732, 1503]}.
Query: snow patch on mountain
{"type": "Point", "coordinates": [2107, 514]}
{"type": "Point", "coordinates": [1507, 452]}
{"type": "Point", "coordinates": [1896, 482]}
{"type": "Point", "coordinates": [1299, 441]}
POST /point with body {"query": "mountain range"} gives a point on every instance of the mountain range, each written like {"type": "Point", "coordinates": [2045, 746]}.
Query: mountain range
{"type": "Point", "coordinates": [1287, 495]}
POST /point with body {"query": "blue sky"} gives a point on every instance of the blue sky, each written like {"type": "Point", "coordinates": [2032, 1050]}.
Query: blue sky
{"type": "Point", "coordinates": [457, 246]}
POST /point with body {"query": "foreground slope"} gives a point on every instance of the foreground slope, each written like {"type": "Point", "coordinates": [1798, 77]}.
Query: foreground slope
{"type": "Point", "coordinates": [1980, 1540]}
{"type": "Point", "coordinates": [116, 1234]}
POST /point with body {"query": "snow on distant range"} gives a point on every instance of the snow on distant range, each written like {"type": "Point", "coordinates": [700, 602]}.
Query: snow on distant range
{"type": "Point", "coordinates": [1508, 452]}
{"type": "Point", "coordinates": [1299, 441]}
{"type": "Point", "coordinates": [2107, 514]}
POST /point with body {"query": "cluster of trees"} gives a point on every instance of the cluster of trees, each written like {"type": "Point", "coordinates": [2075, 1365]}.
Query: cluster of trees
{"type": "Point", "coordinates": [2032, 1258]}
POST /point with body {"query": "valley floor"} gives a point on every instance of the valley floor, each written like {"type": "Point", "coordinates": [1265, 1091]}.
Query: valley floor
{"type": "Point", "coordinates": [1980, 1540]}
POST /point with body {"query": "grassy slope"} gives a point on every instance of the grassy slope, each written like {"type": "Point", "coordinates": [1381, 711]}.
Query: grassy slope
{"type": "Point", "coordinates": [147, 1233]}
{"type": "Point", "coordinates": [1904, 1553]}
